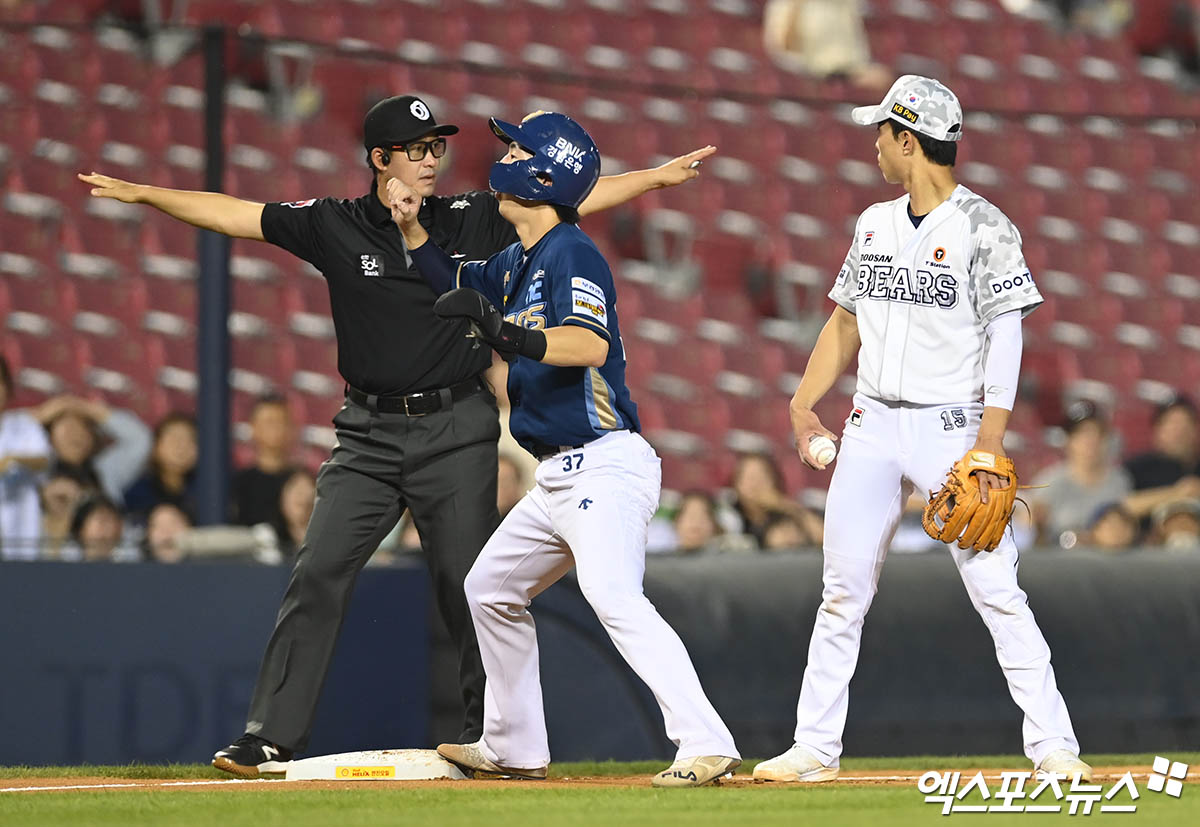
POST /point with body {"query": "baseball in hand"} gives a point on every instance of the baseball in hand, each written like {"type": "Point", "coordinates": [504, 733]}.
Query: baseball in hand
{"type": "Point", "coordinates": [822, 449]}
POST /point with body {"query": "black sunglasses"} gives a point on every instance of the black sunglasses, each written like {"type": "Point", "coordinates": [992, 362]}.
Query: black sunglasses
{"type": "Point", "coordinates": [416, 151]}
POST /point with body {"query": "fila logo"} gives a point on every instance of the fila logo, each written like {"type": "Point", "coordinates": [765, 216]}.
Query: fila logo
{"type": "Point", "coordinates": [460, 204]}
{"type": "Point", "coordinates": [856, 417]}
{"type": "Point", "coordinates": [868, 238]}
{"type": "Point", "coordinates": [371, 265]}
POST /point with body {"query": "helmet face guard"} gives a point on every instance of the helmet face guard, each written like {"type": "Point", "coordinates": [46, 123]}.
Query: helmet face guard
{"type": "Point", "coordinates": [565, 164]}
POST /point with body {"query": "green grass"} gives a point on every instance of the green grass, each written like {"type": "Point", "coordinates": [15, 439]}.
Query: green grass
{"type": "Point", "coordinates": [611, 768]}
{"type": "Point", "coordinates": [513, 804]}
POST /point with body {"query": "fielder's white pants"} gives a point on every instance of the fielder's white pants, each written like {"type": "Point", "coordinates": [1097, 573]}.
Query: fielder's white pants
{"type": "Point", "coordinates": [887, 453]}
{"type": "Point", "coordinates": [590, 509]}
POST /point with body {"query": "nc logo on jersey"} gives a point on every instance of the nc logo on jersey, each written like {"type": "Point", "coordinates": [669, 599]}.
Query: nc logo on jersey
{"type": "Point", "coordinates": [371, 265]}
{"type": "Point", "coordinates": [1000, 286]}
{"type": "Point", "coordinates": [535, 287]}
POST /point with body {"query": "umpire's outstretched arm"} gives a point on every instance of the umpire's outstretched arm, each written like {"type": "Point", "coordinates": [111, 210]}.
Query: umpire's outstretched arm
{"type": "Point", "coordinates": [208, 210]}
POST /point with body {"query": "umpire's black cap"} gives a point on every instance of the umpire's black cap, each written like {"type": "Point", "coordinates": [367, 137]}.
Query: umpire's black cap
{"type": "Point", "coordinates": [395, 121]}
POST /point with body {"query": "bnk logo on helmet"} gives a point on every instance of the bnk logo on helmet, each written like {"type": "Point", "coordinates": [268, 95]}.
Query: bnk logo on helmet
{"type": "Point", "coordinates": [568, 155]}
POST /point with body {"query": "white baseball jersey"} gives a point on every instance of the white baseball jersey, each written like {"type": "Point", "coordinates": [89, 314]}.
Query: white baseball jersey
{"type": "Point", "coordinates": [923, 296]}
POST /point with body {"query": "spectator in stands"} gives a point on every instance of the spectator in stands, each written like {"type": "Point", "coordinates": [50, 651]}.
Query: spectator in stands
{"type": "Point", "coordinates": [166, 526]}
{"type": "Point", "coordinates": [1177, 525]}
{"type": "Point", "coordinates": [784, 532]}
{"type": "Point", "coordinates": [1086, 479]}
{"type": "Point", "coordinates": [63, 488]}
{"type": "Point", "coordinates": [758, 489]}
{"type": "Point", "coordinates": [24, 452]}
{"type": "Point", "coordinates": [696, 527]}
{"type": "Point", "coordinates": [109, 444]}
{"type": "Point", "coordinates": [511, 483]}
{"type": "Point", "coordinates": [255, 490]}
{"type": "Point", "coordinates": [1113, 528]}
{"type": "Point", "coordinates": [171, 538]}
{"type": "Point", "coordinates": [171, 476]}
{"type": "Point", "coordinates": [296, 501]}
{"type": "Point", "coordinates": [1171, 469]}
{"type": "Point", "coordinates": [98, 533]}
{"type": "Point", "coordinates": [822, 38]}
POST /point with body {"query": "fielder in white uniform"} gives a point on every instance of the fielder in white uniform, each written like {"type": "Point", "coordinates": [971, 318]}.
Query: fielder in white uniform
{"type": "Point", "coordinates": [598, 480]}
{"type": "Point", "coordinates": [931, 298]}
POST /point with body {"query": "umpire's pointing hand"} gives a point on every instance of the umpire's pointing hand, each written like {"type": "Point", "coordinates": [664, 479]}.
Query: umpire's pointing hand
{"type": "Point", "coordinates": [105, 187]}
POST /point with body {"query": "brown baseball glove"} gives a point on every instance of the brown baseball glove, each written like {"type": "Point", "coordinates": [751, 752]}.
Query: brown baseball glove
{"type": "Point", "coordinates": [957, 513]}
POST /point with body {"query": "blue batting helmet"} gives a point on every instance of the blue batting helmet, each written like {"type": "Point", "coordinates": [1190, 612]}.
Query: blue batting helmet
{"type": "Point", "coordinates": [565, 163]}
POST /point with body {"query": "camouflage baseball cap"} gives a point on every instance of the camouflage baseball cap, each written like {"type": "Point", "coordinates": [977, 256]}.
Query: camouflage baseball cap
{"type": "Point", "coordinates": [919, 103]}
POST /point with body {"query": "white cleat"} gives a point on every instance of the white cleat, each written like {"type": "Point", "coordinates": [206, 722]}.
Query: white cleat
{"type": "Point", "coordinates": [470, 759]}
{"type": "Point", "coordinates": [1063, 762]}
{"type": "Point", "coordinates": [795, 765]}
{"type": "Point", "coordinates": [696, 772]}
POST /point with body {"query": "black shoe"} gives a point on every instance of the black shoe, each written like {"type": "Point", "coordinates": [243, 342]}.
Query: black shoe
{"type": "Point", "coordinates": [250, 756]}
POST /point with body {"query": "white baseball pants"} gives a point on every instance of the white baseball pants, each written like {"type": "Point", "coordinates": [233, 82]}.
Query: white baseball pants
{"type": "Point", "coordinates": [590, 509]}
{"type": "Point", "coordinates": [885, 453]}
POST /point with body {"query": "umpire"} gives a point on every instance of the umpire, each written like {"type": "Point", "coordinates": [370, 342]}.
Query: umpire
{"type": "Point", "coordinates": [419, 425]}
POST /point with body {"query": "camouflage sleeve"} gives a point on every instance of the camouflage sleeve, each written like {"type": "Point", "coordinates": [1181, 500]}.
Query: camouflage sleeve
{"type": "Point", "coordinates": [845, 288]}
{"type": "Point", "coordinates": [1000, 279]}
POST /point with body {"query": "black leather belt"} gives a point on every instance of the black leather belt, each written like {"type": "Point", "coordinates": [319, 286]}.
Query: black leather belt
{"type": "Point", "coordinates": [417, 404]}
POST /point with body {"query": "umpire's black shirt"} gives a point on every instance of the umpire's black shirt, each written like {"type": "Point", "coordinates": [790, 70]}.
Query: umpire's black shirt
{"type": "Point", "coordinates": [389, 340]}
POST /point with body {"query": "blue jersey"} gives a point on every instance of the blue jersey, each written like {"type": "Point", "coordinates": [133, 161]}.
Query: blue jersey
{"type": "Point", "coordinates": [562, 280]}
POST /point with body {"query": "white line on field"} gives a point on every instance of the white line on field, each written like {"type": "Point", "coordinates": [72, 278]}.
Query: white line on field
{"type": "Point", "coordinates": [137, 784]}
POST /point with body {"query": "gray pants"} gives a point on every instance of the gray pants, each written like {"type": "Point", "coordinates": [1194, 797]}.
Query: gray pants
{"type": "Point", "coordinates": [442, 466]}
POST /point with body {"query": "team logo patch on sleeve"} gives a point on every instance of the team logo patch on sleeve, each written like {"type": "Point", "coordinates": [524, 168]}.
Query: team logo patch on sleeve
{"type": "Point", "coordinates": [1007, 284]}
{"type": "Point", "coordinates": [295, 205]}
{"type": "Point", "coordinates": [584, 303]}
{"type": "Point", "coordinates": [586, 286]}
